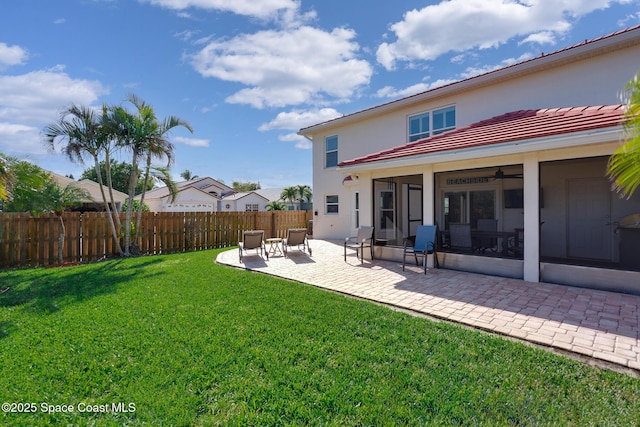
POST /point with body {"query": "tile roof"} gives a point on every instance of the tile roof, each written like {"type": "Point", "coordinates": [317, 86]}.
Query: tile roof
{"type": "Point", "coordinates": [514, 126]}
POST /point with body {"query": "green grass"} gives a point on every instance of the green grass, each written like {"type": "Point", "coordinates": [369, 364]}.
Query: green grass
{"type": "Point", "coordinates": [189, 342]}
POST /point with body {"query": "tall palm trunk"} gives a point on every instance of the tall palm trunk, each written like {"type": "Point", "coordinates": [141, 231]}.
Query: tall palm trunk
{"type": "Point", "coordinates": [147, 172]}
{"type": "Point", "coordinates": [114, 231]}
{"type": "Point", "coordinates": [133, 181]}
{"type": "Point", "coordinates": [114, 207]}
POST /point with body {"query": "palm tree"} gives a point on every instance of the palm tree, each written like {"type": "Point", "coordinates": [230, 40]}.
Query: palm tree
{"type": "Point", "coordinates": [58, 199]}
{"type": "Point", "coordinates": [34, 190]}
{"type": "Point", "coordinates": [145, 138]}
{"type": "Point", "coordinates": [275, 205]}
{"type": "Point", "coordinates": [83, 134]}
{"type": "Point", "coordinates": [289, 194]}
{"type": "Point", "coordinates": [27, 187]}
{"type": "Point", "coordinates": [624, 165]}
{"type": "Point", "coordinates": [304, 194]}
{"type": "Point", "coordinates": [5, 177]}
{"type": "Point", "coordinates": [187, 176]}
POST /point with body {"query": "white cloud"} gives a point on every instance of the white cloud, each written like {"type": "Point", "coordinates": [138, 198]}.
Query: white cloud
{"type": "Point", "coordinates": [263, 9]}
{"type": "Point", "coordinates": [629, 20]}
{"type": "Point", "coordinates": [294, 120]}
{"type": "Point", "coordinates": [476, 71]}
{"type": "Point", "coordinates": [543, 37]}
{"type": "Point", "coordinates": [17, 139]}
{"type": "Point", "coordinates": [459, 25]}
{"type": "Point", "coordinates": [287, 67]}
{"type": "Point", "coordinates": [300, 142]}
{"type": "Point", "coordinates": [28, 102]}
{"type": "Point", "coordinates": [38, 96]}
{"type": "Point", "coordinates": [192, 142]}
{"type": "Point", "coordinates": [391, 92]}
{"type": "Point", "coordinates": [11, 55]}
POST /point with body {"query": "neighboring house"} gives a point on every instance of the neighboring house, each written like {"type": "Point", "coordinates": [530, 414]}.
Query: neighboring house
{"type": "Point", "coordinates": [94, 203]}
{"type": "Point", "coordinates": [196, 195]}
{"type": "Point", "coordinates": [258, 200]}
{"type": "Point", "coordinates": [246, 201]}
{"type": "Point", "coordinates": [526, 146]}
{"type": "Point", "coordinates": [210, 195]}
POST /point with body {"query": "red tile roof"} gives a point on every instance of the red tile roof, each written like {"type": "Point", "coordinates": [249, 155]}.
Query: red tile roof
{"type": "Point", "coordinates": [515, 126]}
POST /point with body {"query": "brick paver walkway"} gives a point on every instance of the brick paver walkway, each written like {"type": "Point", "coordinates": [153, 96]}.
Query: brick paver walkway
{"type": "Point", "coordinates": [597, 324]}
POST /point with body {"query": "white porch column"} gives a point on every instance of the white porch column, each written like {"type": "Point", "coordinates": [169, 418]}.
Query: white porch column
{"type": "Point", "coordinates": [365, 188]}
{"type": "Point", "coordinates": [428, 199]}
{"type": "Point", "coordinates": [531, 174]}
{"type": "Point", "coordinates": [428, 202]}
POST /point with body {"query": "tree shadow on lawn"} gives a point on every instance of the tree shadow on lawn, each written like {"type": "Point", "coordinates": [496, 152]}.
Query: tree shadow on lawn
{"type": "Point", "coordinates": [6, 328]}
{"type": "Point", "coordinates": [47, 290]}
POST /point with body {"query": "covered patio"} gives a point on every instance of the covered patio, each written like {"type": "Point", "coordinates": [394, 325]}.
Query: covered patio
{"type": "Point", "coordinates": [592, 325]}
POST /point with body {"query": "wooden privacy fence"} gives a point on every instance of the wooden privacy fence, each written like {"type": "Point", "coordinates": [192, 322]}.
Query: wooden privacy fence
{"type": "Point", "coordinates": [26, 240]}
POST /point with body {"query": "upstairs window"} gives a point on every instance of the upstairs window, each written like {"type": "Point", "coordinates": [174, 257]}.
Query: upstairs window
{"type": "Point", "coordinates": [444, 120]}
{"type": "Point", "coordinates": [431, 123]}
{"type": "Point", "coordinates": [331, 151]}
{"type": "Point", "coordinates": [419, 126]}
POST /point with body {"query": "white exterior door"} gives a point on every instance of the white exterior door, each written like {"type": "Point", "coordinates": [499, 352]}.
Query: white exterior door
{"type": "Point", "coordinates": [589, 224]}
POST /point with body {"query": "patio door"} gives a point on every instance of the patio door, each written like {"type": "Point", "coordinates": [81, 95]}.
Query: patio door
{"type": "Point", "coordinates": [589, 224]}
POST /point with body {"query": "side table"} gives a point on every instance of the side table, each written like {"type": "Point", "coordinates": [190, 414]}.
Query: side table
{"type": "Point", "coordinates": [275, 245]}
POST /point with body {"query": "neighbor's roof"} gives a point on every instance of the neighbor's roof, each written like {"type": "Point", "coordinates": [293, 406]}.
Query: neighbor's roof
{"type": "Point", "coordinates": [515, 126]}
{"type": "Point", "coordinates": [271, 194]}
{"type": "Point", "coordinates": [198, 183]}
{"type": "Point", "coordinates": [240, 195]}
{"type": "Point", "coordinates": [92, 187]}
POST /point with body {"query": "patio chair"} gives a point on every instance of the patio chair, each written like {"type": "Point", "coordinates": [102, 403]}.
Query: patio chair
{"type": "Point", "coordinates": [460, 237]}
{"type": "Point", "coordinates": [362, 240]}
{"type": "Point", "coordinates": [424, 244]}
{"type": "Point", "coordinates": [296, 238]}
{"type": "Point", "coordinates": [253, 239]}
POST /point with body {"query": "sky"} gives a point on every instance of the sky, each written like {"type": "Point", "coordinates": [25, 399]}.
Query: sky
{"type": "Point", "coordinates": [248, 74]}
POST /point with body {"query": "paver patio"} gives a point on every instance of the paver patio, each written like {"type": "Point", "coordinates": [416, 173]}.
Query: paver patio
{"type": "Point", "coordinates": [599, 325]}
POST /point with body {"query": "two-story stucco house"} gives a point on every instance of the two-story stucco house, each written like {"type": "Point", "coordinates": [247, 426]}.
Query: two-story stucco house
{"type": "Point", "coordinates": [524, 148]}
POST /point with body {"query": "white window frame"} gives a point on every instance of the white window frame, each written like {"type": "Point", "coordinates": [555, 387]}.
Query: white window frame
{"type": "Point", "coordinates": [251, 207]}
{"type": "Point", "coordinates": [411, 137]}
{"type": "Point", "coordinates": [327, 203]}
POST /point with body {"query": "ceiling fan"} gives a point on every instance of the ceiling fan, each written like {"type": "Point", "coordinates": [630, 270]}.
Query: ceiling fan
{"type": "Point", "coordinates": [501, 175]}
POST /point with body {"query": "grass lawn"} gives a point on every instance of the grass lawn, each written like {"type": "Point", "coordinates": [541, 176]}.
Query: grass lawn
{"type": "Point", "coordinates": [179, 340]}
